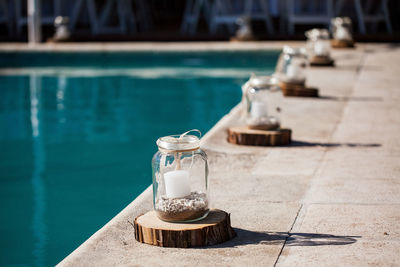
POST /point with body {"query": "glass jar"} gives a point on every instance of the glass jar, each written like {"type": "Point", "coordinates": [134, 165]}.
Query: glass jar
{"type": "Point", "coordinates": [292, 66]}
{"type": "Point", "coordinates": [342, 29]}
{"type": "Point", "coordinates": [318, 43]}
{"type": "Point", "coordinates": [180, 179]}
{"type": "Point", "coordinates": [263, 99]}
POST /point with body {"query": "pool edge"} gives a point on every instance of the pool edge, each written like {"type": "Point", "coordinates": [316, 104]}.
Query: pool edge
{"type": "Point", "coordinates": [146, 46]}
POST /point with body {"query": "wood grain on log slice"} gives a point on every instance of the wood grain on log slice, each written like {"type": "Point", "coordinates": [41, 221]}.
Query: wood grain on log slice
{"type": "Point", "coordinates": [265, 127]}
{"type": "Point", "coordinates": [322, 61]}
{"type": "Point", "coordinates": [252, 137]}
{"type": "Point", "coordinates": [214, 229]}
{"type": "Point", "coordinates": [342, 44]}
{"type": "Point", "coordinates": [289, 89]}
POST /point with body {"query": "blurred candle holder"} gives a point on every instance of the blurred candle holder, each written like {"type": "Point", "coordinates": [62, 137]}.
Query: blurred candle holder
{"type": "Point", "coordinates": [180, 179]}
{"type": "Point", "coordinates": [61, 29]}
{"type": "Point", "coordinates": [244, 31]}
{"type": "Point", "coordinates": [181, 217]}
{"type": "Point", "coordinates": [291, 72]}
{"type": "Point", "coordinates": [342, 32]}
{"type": "Point", "coordinates": [319, 47]}
{"type": "Point", "coordinates": [263, 99]}
{"type": "Point", "coordinates": [292, 66]}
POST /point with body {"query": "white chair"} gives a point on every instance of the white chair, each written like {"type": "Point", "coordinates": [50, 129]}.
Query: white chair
{"type": "Point", "coordinates": [308, 12]}
{"type": "Point", "coordinates": [47, 18]}
{"type": "Point", "coordinates": [142, 15]}
{"type": "Point", "coordinates": [76, 13]}
{"type": "Point", "coordinates": [366, 13]}
{"type": "Point", "coordinates": [260, 13]}
{"type": "Point", "coordinates": [100, 18]}
{"type": "Point", "coordinates": [192, 14]}
{"type": "Point", "coordinates": [123, 11]}
{"type": "Point", "coordinates": [226, 12]}
{"type": "Point", "coordinates": [222, 13]}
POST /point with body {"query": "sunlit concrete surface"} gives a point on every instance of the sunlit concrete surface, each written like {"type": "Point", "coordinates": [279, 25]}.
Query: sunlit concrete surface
{"type": "Point", "coordinates": [332, 198]}
{"type": "Point", "coordinates": [145, 46]}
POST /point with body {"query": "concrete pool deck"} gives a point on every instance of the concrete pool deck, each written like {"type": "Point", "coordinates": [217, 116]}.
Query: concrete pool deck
{"type": "Point", "coordinates": [332, 198]}
{"type": "Point", "coordinates": [144, 46]}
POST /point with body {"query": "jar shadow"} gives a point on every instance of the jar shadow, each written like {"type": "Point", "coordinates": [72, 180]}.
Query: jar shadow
{"type": "Point", "coordinates": [246, 237]}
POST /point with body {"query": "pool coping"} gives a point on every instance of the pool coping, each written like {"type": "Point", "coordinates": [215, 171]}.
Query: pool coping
{"type": "Point", "coordinates": [146, 46]}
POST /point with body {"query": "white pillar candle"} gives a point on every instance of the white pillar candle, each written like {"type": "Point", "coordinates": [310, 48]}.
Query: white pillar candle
{"type": "Point", "coordinates": [342, 34]}
{"type": "Point", "coordinates": [177, 184]}
{"type": "Point", "coordinates": [258, 109]}
{"type": "Point", "coordinates": [293, 72]}
{"type": "Point", "coordinates": [321, 48]}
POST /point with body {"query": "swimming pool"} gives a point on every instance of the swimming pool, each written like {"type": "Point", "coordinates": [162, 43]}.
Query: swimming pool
{"type": "Point", "coordinates": [78, 130]}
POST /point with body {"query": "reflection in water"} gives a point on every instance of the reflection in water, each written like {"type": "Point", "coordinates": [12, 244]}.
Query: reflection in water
{"type": "Point", "coordinates": [62, 83]}
{"type": "Point", "coordinates": [39, 205]}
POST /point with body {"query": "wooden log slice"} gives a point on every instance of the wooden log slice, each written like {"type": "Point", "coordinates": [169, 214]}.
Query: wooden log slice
{"type": "Point", "coordinates": [322, 61]}
{"type": "Point", "coordinates": [289, 89]}
{"type": "Point", "coordinates": [251, 137]}
{"type": "Point", "coordinates": [214, 229]}
{"type": "Point", "coordinates": [342, 44]}
{"type": "Point", "coordinates": [242, 39]}
{"type": "Point", "coordinates": [265, 127]}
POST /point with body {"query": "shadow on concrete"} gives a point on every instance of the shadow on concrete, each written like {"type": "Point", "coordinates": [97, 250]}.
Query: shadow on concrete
{"type": "Point", "coordinates": [349, 54]}
{"type": "Point", "coordinates": [387, 47]}
{"type": "Point", "coordinates": [246, 237]}
{"type": "Point", "coordinates": [358, 67]}
{"type": "Point", "coordinates": [351, 98]}
{"type": "Point", "coordinates": [310, 239]}
{"type": "Point", "coordinates": [296, 143]}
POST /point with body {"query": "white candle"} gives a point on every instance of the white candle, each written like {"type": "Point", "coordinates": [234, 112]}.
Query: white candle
{"type": "Point", "coordinates": [293, 72]}
{"type": "Point", "coordinates": [258, 109]}
{"type": "Point", "coordinates": [342, 34]}
{"type": "Point", "coordinates": [177, 183]}
{"type": "Point", "coordinates": [321, 48]}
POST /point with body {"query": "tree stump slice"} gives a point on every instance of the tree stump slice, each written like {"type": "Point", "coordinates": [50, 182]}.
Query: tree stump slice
{"type": "Point", "coordinates": [252, 137]}
{"type": "Point", "coordinates": [322, 61]}
{"type": "Point", "coordinates": [299, 90]}
{"type": "Point", "coordinates": [245, 39]}
{"type": "Point", "coordinates": [214, 229]}
{"type": "Point", "coordinates": [342, 44]}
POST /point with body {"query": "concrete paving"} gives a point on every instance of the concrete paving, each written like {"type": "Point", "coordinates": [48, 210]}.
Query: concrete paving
{"type": "Point", "coordinates": [332, 198]}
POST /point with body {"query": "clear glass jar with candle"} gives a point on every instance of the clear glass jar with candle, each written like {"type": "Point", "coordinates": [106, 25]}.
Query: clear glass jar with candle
{"type": "Point", "coordinates": [292, 66]}
{"type": "Point", "coordinates": [318, 43]}
{"type": "Point", "coordinates": [342, 29]}
{"type": "Point", "coordinates": [180, 179]}
{"type": "Point", "coordinates": [263, 99]}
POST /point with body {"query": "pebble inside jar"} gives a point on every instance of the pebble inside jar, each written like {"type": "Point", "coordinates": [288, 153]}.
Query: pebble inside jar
{"type": "Point", "coordinates": [180, 179]}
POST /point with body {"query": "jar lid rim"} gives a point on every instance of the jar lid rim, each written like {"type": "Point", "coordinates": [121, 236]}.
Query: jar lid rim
{"type": "Point", "coordinates": [263, 82]}
{"type": "Point", "coordinates": [181, 142]}
{"type": "Point", "coordinates": [290, 50]}
{"type": "Point", "coordinates": [341, 20]}
{"type": "Point", "coordinates": [317, 33]}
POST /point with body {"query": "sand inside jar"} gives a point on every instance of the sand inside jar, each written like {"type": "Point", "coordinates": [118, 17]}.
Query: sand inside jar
{"type": "Point", "coordinates": [188, 208]}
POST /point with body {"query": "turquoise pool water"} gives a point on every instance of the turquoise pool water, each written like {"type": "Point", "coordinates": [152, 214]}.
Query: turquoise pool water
{"type": "Point", "coordinates": [78, 131]}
